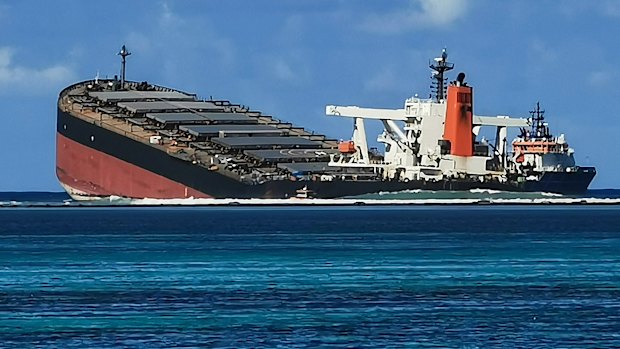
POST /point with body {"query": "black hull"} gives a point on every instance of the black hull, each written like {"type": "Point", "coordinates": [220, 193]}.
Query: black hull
{"type": "Point", "coordinates": [218, 185]}
{"type": "Point", "coordinates": [563, 182]}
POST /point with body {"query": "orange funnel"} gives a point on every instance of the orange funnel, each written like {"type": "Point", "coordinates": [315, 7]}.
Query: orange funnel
{"type": "Point", "coordinates": [459, 123]}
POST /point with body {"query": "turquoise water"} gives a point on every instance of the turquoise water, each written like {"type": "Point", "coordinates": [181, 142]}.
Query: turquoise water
{"type": "Point", "coordinates": [417, 277]}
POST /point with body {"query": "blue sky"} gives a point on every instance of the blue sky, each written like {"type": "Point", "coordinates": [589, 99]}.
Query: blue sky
{"type": "Point", "coordinates": [291, 58]}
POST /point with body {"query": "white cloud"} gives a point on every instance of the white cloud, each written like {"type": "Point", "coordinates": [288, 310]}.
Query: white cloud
{"type": "Point", "coordinates": [290, 67]}
{"type": "Point", "coordinates": [168, 17]}
{"type": "Point", "coordinates": [540, 51]}
{"type": "Point", "coordinates": [418, 14]}
{"type": "Point", "coordinates": [4, 9]}
{"type": "Point", "coordinates": [383, 80]}
{"type": "Point", "coordinates": [601, 78]}
{"type": "Point", "coordinates": [577, 8]}
{"type": "Point", "coordinates": [14, 76]}
{"type": "Point", "coordinates": [611, 8]}
{"type": "Point", "coordinates": [283, 71]}
{"type": "Point", "coordinates": [139, 42]}
{"type": "Point", "coordinates": [174, 35]}
{"type": "Point", "coordinates": [293, 29]}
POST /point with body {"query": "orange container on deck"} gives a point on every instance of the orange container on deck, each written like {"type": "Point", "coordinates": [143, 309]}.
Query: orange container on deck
{"type": "Point", "coordinates": [459, 120]}
{"type": "Point", "coordinates": [346, 147]}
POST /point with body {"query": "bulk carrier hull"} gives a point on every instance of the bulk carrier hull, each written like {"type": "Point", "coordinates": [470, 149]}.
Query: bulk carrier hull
{"type": "Point", "coordinates": [95, 162]}
{"type": "Point", "coordinates": [139, 140]}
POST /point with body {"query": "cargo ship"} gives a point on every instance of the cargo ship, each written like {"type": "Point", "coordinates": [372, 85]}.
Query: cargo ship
{"type": "Point", "coordinates": [135, 139]}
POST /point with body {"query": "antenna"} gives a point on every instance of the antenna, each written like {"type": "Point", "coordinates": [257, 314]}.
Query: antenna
{"type": "Point", "coordinates": [124, 53]}
{"type": "Point", "coordinates": [539, 127]}
{"type": "Point", "coordinates": [439, 66]}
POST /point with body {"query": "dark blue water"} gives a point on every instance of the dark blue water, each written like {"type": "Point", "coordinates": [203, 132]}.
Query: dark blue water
{"type": "Point", "coordinates": [420, 277]}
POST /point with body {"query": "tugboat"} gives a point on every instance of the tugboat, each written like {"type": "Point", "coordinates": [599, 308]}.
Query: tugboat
{"type": "Point", "coordinates": [543, 160]}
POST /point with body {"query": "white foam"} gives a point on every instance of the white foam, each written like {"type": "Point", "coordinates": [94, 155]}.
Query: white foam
{"type": "Point", "coordinates": [566, 201]}
{"type": "Point", "coordinates": [120, 201]}
{"type": "Point", "coordinates": [407, 191]}
{"type": "Point", "coordinates": [551, 194]}
{"type": "Point", "coordinates": [114, 200]}
{"type": "Point", "coordinates": [324, 202]}
{"type": "Point", "coordinates": [308, 202]}
{"type": "Point", "coordinates": [484, 191]}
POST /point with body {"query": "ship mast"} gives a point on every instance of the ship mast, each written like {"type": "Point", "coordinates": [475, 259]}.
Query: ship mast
{"type": "Point", "coordinates": [440, 66]}
{"type": "Point", "coordinates": [123, 53]}
{"type": "Point", "coordinates": [539, 126]}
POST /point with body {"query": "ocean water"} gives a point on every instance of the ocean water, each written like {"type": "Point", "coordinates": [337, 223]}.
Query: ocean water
{"type": "Point", "coordinates": [407, 197]}
{"type": "Point", "coordinates": [306, 277]}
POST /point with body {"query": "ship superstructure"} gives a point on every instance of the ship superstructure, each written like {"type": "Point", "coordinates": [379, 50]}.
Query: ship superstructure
{"type": "Point", "coordinates": [536, 150]}
{"type": "Point", "coordinates": [438, 142]}
{"type": "Point", "coordinates": [139, 140]}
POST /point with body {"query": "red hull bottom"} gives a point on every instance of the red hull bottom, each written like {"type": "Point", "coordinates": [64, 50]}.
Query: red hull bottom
{"type": "Point", "coordinates": [87, 173]}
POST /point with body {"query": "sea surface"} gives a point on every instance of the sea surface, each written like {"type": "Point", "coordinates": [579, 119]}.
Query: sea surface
{"type": "Point", "coordinates": [309, 277]}
{"type": "Point", "coordinates": [407, 197]}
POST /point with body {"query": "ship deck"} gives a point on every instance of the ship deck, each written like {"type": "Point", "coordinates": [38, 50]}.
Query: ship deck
{"type": "Point", "coordinates": [218, 134]}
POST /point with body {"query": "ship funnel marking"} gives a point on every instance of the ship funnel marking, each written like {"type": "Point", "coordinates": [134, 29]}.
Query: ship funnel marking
{"type": "Point", "coordinates": [459, 118]}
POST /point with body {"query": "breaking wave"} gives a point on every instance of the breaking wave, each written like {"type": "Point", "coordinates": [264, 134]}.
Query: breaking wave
{"type": "Point", "coordinates": [407, 197]}
{"type": "Point", "coordinates": [484, 191]}
{"type": "Point", "coordinates": [353, 201]}
{"type": "Point", "coordinates": [551, 194]}
{"type": "Point", "coordinates": [408, 191]}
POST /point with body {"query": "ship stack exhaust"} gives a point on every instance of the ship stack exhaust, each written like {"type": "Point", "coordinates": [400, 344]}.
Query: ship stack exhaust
{"type": "Point", "coordinates": [459, 118]}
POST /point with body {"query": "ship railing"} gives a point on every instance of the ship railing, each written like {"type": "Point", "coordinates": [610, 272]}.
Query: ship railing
{"type": "Point", "coordinates": [128, 134]}
{"type": "Point", "coordinates": [75, 86]}
{"type": "Point", "coordinates": [414, 99]}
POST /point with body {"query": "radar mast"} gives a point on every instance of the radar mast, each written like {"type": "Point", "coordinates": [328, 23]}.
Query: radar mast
{"type": "Point", "coordinates": [440, 66]}
{"type": "Point", "coordinates": [540, 128]}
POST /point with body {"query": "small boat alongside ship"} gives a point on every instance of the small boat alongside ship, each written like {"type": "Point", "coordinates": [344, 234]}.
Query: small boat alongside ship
{"type": "Point", "coordinates": [139, 140]}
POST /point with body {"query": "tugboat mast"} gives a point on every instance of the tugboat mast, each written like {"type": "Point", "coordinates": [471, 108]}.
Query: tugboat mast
{"type": "Point", "coordinates": [440, 66]}
{"type": "Point", "coordinates": [539, 127]}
